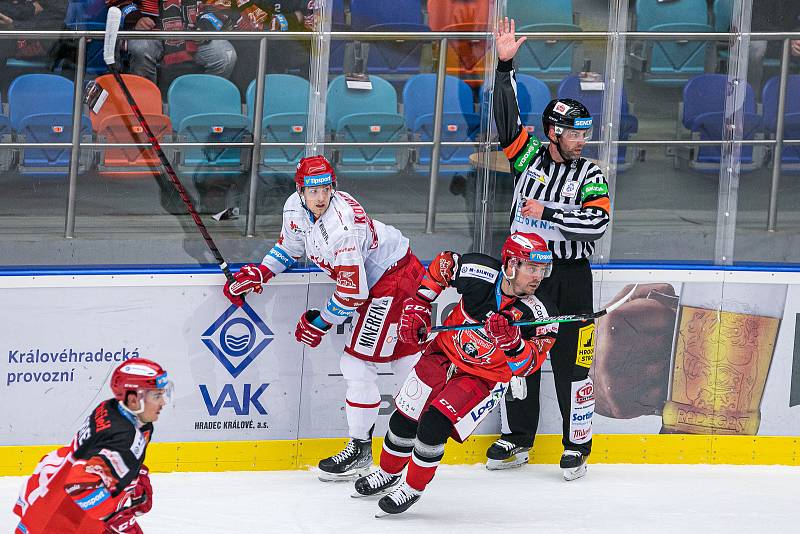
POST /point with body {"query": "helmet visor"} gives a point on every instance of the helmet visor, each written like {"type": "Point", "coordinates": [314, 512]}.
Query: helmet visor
{"type": "Point", "coordinates": [532, 268]}
{"type": "Point", "coordinates": [572, 134]}
{"type": "Point", "coordinates": [162, 393]}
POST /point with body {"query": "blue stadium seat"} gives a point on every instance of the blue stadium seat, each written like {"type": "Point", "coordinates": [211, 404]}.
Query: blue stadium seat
{"type": "Point", "coordinates": [723, 13]}
{"type": "Point", "coordinates": [366, 13]}
{"type": "Point", "coordinates": [533, 95]}
{"type": "Point", "coordinates": [571, 88]}
{"type": "Point", "coordinates": [6, 135]}
{"type": "Point", "coordinates": [549, 60]}
{"type": "Point", "coordinates": [459, 121]}
{"type": "Point", "coordinates": [526, 12]}
{"type": "Point", "coordinates": [704, 99]}
{"type": "Point", "coordinates": [40, 110]}
{"type": "Point", "coordinates": [208, 108]}
{"type": "Point", "coordinates": [356, 115]}
{"type": "Point", "coordinates": [284, 119]}
{"type": "Point", "coordinates": [790, 158]}
{"type": "Point", "coordinates": [390, 57]}
{"type": "Point", "coordinates": [671, 63]}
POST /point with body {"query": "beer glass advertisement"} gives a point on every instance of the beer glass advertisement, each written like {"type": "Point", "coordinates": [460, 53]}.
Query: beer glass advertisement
{"type": "Point", "coordinates": [698, 358]}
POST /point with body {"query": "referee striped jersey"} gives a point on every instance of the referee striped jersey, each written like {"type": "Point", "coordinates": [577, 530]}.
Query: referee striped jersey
{"type": "Point", "coordinates": [574, 193]}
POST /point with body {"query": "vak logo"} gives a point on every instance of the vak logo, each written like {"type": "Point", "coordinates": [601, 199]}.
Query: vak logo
{"type": "Point", "coordinates": [237, 337]}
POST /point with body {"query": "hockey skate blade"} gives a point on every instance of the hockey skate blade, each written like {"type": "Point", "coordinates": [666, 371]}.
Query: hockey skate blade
{"type": "Point", "coordinates": [350, 476]}
{"type": "Point", "coordinates": [575, 474]}
{"type": "Point", "coordinates": [519, 459]}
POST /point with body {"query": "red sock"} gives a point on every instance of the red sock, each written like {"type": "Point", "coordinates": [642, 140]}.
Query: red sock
{"type": "Point", "coordinates": [421, 470]}
{"type": "Point", "coordinates": [393, 462]}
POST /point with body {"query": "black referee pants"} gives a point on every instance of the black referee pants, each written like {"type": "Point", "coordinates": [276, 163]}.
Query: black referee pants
{"type": "Point", "coordinates": [570, 288]}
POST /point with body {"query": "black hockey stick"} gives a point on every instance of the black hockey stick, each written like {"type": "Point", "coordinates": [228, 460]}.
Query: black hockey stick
{"type": "Point", "coordinates": [109, 47]}
{"type": "Point", "coordinates": [548, 320]}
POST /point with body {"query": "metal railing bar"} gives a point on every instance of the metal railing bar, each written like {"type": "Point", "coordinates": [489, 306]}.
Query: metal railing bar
{"type": "Point", "coordinates": [390, 36]}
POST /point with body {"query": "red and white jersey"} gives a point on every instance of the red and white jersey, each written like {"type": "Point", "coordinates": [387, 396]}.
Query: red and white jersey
{"type": "Point", "coordinates": [353, 249]}
{"type": "Point", "coordinates": [75, 488]}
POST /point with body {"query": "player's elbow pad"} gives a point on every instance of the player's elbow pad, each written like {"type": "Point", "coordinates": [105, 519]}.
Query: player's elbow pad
{"type": "Point", "coordinates": [526, 360]}
{"type": "Point", "coordinates": [440, 273]}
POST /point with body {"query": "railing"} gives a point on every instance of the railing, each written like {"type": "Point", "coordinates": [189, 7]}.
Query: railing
{"type": "Point", "coordinates": [436, 143]}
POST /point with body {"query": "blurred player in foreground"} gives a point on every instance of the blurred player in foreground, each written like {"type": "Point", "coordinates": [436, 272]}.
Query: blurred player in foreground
{"type": "Point", "coordinates": [98, 484]}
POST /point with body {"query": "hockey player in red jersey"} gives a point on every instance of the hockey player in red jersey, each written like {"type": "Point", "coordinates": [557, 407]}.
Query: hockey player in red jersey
{"type": "Point", "coordinates": [462, 374]}
{"type": "Point", "coordinates": [374, 270]}
{"type": "Point", "coordinates": [98, 484]}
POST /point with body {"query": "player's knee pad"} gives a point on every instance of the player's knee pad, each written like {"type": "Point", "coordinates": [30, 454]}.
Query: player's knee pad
{"type": "Point", "coordinates": [357, 370]}
{"type": "Point", "coordinates": [434, 427]}
{"type": "Point", "coordinates": [402, 426]}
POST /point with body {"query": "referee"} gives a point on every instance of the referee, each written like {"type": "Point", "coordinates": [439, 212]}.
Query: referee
{"type": "Point", "coordinates": [563, 198]}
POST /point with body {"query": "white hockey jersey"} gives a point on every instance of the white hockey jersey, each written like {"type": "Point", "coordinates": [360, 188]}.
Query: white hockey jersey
{"type": "Point", "coordinates": [351, 248]}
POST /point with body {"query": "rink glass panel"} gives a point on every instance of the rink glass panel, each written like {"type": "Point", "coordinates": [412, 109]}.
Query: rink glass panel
{"type": "Point", "coordinates": [658, 190]}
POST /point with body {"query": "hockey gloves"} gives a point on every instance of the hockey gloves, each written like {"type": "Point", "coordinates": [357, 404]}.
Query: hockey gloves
{"type": "Point", "coordinates": [503, 334]}
{"type": "Point", "coordinates": [414, 322]}
{"type": "Point", "coordinates": [249, 278]}
{"type": "Point", "coordinates": [140, 493]}
{"type": "Point", "coordinates": [311, 328]}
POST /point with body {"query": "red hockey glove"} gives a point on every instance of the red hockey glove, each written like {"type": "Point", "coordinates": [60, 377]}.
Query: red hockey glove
{"type": "Point", "coordinates": [249, 278]}
{"type": "Point", "coordinates": [503, 334]}
{"type": "Point", "coordinates": [414, 322]}
{"type": "Point", "coordinates": [123, 523]}
{"type": "Point", "coordinates": [311, 328]}
{"type": "Point", "coordinates": [140, 493]}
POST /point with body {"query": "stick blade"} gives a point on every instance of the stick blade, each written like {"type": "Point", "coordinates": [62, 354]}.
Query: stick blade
{"type": "Point", "coordinates": [112, 29]}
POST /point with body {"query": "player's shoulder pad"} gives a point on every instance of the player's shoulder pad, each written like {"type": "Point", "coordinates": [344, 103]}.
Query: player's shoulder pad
{"type": "Point", "coordinates": [475, 265]}
{"type": "Point", "coordinates": [126, 434]}
{"type": "Point", "coordinates": [535, 306]}
{"type": "Point", "coordinates": [293, 204]}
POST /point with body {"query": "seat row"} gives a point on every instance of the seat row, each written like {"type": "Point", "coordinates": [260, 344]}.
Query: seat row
{"type": "Point", "coordinates": [703, 115]}
{"type": "Point", "coordinates": [207, 109]}
{"type": "Point", "coordinates": [549, 60]}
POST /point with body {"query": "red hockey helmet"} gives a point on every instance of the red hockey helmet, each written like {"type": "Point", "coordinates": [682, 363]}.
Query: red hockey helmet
{"type": "Point", "coordinates": [138, 374]}
{"type": "Point", "coordinates": [529, 248]}
{"type": "Point", "coordinates": [313, 171]}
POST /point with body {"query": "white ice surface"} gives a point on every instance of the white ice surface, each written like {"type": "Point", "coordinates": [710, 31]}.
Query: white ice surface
{"type": "Point", "coordinates": [463, 499]}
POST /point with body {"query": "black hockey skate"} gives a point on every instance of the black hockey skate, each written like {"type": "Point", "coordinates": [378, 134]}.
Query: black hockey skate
{"type": "Point", "coordinates": [375, 483]}
{"type": "Point", "coordinates": [398, 501]}
{"type": "Point", "coordinates": [505, 455]}
{"type": "Point", "coordinates": [574, 465]}
{"type": "Point", "coordinates": [354, 461]}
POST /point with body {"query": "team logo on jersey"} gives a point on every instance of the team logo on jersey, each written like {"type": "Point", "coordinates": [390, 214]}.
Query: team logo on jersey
{"type": "Point", "coordinates": [237, 337]}
{"type": "Point", "coordinates": [570, 189]}
{"type": "Point", "coordinates": [585, 351]}
{"type": "Point", "coordinates": [474, 348]}
{"type": "Point", "coordinates": [347, 279]}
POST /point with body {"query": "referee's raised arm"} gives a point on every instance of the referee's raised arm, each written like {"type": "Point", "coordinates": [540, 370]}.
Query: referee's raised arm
{"type": "Point", "coordinates": [513, 136]}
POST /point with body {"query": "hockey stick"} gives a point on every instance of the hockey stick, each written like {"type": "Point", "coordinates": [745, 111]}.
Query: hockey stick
{"type": "Point", "coordinates": [109, 47]}
{"type": "Point", "coordinates": [549, 320]}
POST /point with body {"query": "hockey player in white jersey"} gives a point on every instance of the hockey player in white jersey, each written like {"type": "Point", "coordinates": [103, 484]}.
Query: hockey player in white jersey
{"type": "Point", "coordinates": [374, 270]}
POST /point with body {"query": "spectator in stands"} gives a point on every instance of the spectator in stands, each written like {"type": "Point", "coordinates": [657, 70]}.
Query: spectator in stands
{"type": "Point", "coordinates": [214, 57]}
{"type": "Point", "coordinates": [29, 15]}
{"type": "Point", "coordinates": [771, 16]}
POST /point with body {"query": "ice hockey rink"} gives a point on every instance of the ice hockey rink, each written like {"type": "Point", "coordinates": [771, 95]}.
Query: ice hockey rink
{"type": "Point", "coordinates": [612, 498]}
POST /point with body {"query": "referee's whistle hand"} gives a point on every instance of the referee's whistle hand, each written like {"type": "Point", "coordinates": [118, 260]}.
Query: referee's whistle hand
{"type": "Point", "coordinates": [532, 208]}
